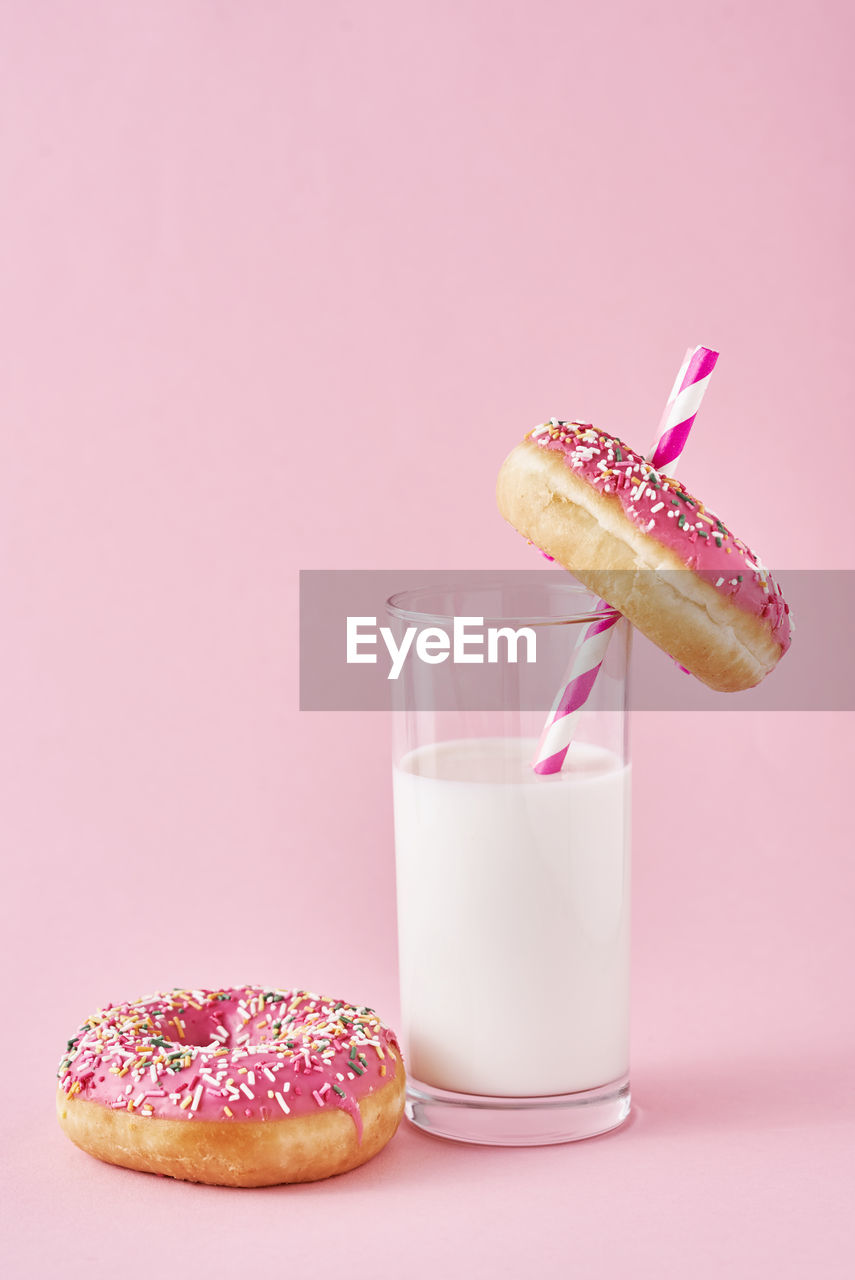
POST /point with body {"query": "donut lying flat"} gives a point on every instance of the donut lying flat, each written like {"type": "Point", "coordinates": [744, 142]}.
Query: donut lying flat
{"type": "Point", "coordinates": [242, 1087]}
{"type": "Point", "coordinates": [644, 544]}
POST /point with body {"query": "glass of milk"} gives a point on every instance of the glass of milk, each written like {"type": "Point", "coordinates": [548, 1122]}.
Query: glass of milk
{"type": "Point", "coordinates": [513, 887]}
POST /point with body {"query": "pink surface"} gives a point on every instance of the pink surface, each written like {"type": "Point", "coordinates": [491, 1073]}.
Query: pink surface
{"type": "Point", "coordinates": [281, 286]}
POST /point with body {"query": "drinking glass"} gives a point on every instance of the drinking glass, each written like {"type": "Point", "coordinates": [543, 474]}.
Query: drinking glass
{"type": "Point", "coordinates": [513, 887]}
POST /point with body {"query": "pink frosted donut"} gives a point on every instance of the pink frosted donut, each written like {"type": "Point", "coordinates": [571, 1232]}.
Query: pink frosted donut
{"type": "Point", "coordinates": [642, 542]}
{"type": "Point", "coordinates": [241, 1087]}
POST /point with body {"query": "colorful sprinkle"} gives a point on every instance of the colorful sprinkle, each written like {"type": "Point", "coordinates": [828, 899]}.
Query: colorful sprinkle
{"type": "Point", "coordinates": [651, 500]}
{"type": "Point", "coordinates": [244, 1035]}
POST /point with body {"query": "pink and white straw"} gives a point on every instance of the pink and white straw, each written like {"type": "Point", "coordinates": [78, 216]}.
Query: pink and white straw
{"type": "Point", "coordinates": [683, 404]}
{"type": "Point", "coordinates": [561, 723]}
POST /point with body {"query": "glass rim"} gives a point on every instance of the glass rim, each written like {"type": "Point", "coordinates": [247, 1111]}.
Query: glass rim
{"type": "Point", "coordinates": [398, 605]}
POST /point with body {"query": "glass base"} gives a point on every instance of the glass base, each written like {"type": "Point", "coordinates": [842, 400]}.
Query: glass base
{"type": "Point", "coordinates": [518, 1122]}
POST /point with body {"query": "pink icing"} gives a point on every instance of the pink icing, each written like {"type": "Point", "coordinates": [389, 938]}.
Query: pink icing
{"type": "Point", "coordinates": [244, 1053]}
{"type": "Point", "coordinates": [663, 509]}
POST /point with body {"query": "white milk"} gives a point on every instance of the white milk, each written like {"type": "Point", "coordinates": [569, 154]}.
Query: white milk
{"type": "Point", "coordinates": [513, 918]}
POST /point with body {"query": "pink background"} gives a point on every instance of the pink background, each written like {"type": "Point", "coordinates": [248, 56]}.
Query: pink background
{"type": "Point", "coordinates": [281, 284]}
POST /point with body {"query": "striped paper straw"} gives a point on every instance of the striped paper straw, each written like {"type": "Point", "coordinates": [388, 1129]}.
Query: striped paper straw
{"type": "Point", "coordinates": [680, 411]}
{"type": "Point", "coordinates": [566, 709]}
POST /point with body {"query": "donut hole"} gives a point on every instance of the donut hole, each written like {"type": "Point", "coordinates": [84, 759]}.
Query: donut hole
{"type": "Point", "coordinates": [194, 1029]}
{"type": "Point", "coordinates": [223, 1024]}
